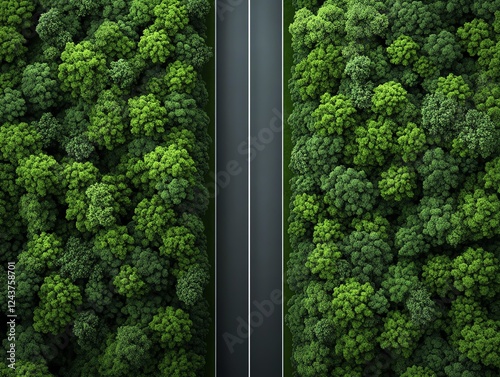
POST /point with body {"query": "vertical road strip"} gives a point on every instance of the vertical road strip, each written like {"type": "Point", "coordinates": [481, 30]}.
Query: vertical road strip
{"type": "Point", "coordinates": [265, 308]}
{"type": "Point", "coordinates": [231, 183]}
{"type": "Point", "coordinates": [249, 127]}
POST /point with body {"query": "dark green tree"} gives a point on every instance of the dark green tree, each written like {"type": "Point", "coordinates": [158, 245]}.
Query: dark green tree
{"type": "Point", "coordinates": [442, 48]}
{"type": "Point", "coordinates": [40, 86]}
{"type": "Point", "coordinates": [78, 259]}
{"type": "Point", "coordinates": [125, 352]}
{"type": "Point", "coordinates": [13, 105]}
{"type": "Point", "coordinates": [108, 121]}
{"type": "Point", "coordinates": [369, 255]}
{"type": "Point", "coordinates": [191, 285]}
{"type": "Point", "coordinates": [348, 192]}
{"type": "Point", "coordinates": [181, 363]}
{"type": "Point", "coordinates": [12, 44]}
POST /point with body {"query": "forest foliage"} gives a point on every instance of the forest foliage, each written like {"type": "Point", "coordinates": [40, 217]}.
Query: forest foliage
{"type": "Point", "coordinates": [104, 149]}
{"type": "Point", "coordinates": [394, 223]}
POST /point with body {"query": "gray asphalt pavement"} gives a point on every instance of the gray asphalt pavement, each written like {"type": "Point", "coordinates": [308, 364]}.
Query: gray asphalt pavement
{"type": "Point", "coordinates": [266, 189]}
{"type": "Point", "coordinates": [234, 298]}
{"type": "Point", "coordinates": [232, 178]}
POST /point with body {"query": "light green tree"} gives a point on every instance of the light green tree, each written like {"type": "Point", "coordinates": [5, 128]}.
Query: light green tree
{"type": "Point", "coordinates": [59, 299]}
{"type": "Point", "coordinates": [172, 327]}
{"type": "Point", "coordinates": [83, 70]}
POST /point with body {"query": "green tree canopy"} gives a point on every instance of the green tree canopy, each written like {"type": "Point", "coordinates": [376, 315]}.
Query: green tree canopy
{"type": "Point", "coordinates": [335, 114]}
{"type": "Point", "coordinates": [128, 282]}
{"type": "Point", "coordinates": [397, 183]}
{"type": "Point", "coordinates": [12, 44]}
{"type": "Point", "coordinates": [40, 86]}
{"type": "Point", "coordinates": [13, 105]}
{"type": "Point", "coordinates": [155, 44]}
{"type": "Point", "coordinates": [82, 71]}
{"type": "Point", "coordinates": [58, 301]}
{"type": "Point", "coordinates": [108, 121]}
{"type": "Point", "coordinates": [110, 39]}
{"type": "Point", "coordinates": [147, 116]}
{"type": "Point", "coordinates": [475, 272]}
{"type": "Point", "coordinates": [348, 192]}
{"type": "Point", "coordinates": [172, 327]}
{"type": "Point", "coordinates": [39, 174]}
{"type": "Point", "coordinates": [400, 334]}
{"type": "Point", "coordinates": [404, 50]}
{"type": "Point", "coordinates": [180, 363]}
{"type": "Point", "coordinates": [191, 285]}
{"type": "Point", "coordinates": [319, 72]}
{"type": "Point", "coordinates": [389, 98]}
{"type": "Point", "coordinates": [125, 352]}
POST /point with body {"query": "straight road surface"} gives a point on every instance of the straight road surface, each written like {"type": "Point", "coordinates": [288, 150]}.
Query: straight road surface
{"type": "Point", "coordinates": [266, 188]}
{"type": "Point", "coordinates": [256, 308]}
{"type": "Point", "coordinates": [232, 184]}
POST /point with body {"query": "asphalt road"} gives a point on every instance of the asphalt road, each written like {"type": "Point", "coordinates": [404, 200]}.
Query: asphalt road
{"type": "Point", "coordinates": [235, 299]}
{"type": "Point", "coordinates": [266, 188]}
{"type": "Point", "coordinates": [232, 178]}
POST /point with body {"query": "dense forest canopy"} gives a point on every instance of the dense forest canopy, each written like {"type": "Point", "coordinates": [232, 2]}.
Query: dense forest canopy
{"type": "Point", "coordinates": [104, 146]}
{"type": "Point", "coordinates": [395, 206]}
